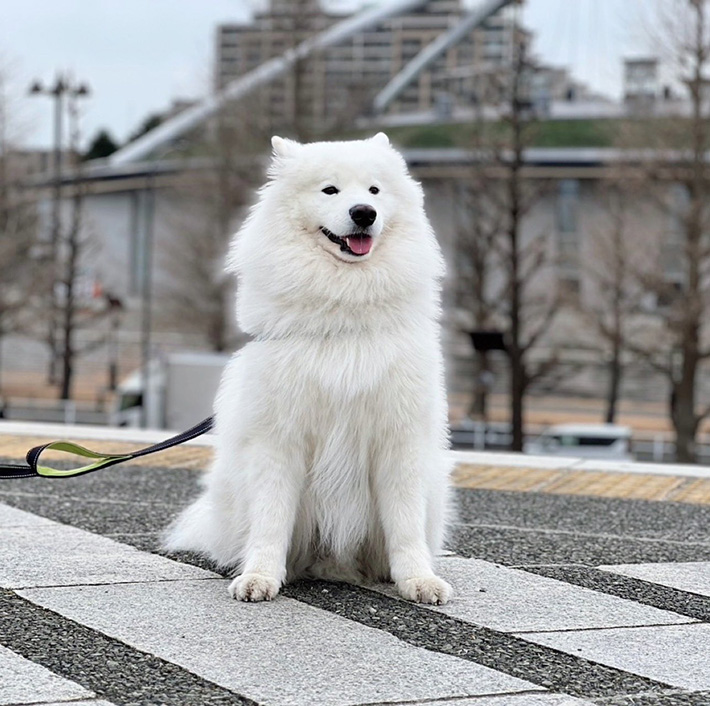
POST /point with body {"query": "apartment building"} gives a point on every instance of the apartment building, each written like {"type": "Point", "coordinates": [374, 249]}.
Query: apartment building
{"type": "Point", "coordinates": [329, 91]}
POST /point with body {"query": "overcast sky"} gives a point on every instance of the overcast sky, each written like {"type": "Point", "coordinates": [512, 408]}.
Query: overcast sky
{"type": "Point", "coordinates": [137, 55]}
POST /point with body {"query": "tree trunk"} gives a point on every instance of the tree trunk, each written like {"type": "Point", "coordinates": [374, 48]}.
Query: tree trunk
{"type": "Point", "coordinates": [683, 415]}
{"type": "Point", "coordinates": [2, 339]}
{"type": "Point", "coordinates": [71, 270]}
{"type": "Point", "coordinates": [614, 386]}
{"type": "Point", "coordinates": [479, 403]}
{"type": "Point", "coordinates": [516, 352]}
{"type": "Point", "coordinates": [685, 422]}
{"type": "Point", "coordinates": [615, 369]}
{"type": "Point", "coordinates": [619, 290]}
{"type": "Point", "coordinates": [518, 383]}
{"type": "Point", "coordinates": [68, 322]}
{"type": "Point", "coordinates": [518, 372]}
{"type": "Point", "coordinates": [217, 329]}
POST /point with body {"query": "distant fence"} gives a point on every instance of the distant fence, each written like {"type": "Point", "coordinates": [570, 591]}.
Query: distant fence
{"type": "Point", "coordinates": [655, 447]}
{"type": "Point", "coordinates": [54, 411]}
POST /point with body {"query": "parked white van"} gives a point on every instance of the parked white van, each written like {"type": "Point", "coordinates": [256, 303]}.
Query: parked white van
{"type": "Point", "coordinates": [181, 391]}
{"type": "Point", "coordinates": [602, 441]}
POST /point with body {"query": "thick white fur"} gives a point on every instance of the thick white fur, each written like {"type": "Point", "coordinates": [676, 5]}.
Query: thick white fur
{"type": "Point", "coordinates": [331, 426]}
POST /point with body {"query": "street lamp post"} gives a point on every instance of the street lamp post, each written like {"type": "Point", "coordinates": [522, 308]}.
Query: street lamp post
{"type": "Point", "coordinates": [147, 294]}
{"type": "Point", "coordinates": [63, 85]}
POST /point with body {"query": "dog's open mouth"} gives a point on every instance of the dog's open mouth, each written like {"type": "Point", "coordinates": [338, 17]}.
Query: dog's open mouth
{"type": "Point", "coordinates": [357, 244]}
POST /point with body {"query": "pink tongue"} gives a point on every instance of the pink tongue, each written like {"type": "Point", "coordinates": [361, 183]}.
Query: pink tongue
{"type": "Point", "coordinates": [359, 244]}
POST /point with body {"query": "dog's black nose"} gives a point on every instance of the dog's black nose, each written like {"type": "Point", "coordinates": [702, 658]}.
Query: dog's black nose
{"type": "Point", "coordinates": [363, 215]}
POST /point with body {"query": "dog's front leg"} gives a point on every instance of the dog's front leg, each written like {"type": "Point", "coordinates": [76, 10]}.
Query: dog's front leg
{"type": "Point", "coordinates": [274, 491]}
{"type": "Point", "coordinates": [402, 510]}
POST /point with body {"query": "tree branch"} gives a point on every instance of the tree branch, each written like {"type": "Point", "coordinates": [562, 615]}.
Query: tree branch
{"type": "Point", "coordinates": [543, 326]}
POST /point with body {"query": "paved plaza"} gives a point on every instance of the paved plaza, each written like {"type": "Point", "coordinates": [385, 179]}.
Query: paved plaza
{"type": "Point", "coordinates": [567, 592]}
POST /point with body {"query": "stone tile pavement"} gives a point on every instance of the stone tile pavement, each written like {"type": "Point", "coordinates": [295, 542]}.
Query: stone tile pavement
{"type": "Point", "coordinates": [565, 594]}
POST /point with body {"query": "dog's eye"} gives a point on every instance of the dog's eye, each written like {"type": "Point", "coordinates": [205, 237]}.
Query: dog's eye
{"type": "Point", "coordinates": [374, 190]}
{"type": "Point", "coordinates": [331, 190]}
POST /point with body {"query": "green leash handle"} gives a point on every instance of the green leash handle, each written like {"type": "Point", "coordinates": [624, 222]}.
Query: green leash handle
{"type": "Point", "coordinates": [33, 468]}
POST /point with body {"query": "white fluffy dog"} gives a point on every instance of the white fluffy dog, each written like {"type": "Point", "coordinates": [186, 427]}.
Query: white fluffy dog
{"type": "Point", "coordinates": [331, 457]}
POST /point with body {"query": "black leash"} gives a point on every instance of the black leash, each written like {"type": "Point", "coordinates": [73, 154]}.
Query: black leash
{"type": "Point", "coordinates": [32, 469]}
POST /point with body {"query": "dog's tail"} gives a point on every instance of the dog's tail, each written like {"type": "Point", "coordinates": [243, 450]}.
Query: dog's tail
{"type": "Point", "coordinates": [190, 529]}
{"type": "Point", "coordinates": [201, 529]}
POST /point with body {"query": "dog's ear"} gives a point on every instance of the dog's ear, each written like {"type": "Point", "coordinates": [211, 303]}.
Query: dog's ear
{"type": "Point", "coordinates": [284, 148]}
{"type": "Point", "coordinates": [381, 139]}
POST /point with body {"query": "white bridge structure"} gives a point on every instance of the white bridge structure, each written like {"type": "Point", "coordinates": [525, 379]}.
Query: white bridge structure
{"type": "Point", "coordinates": [426, 57]}
{"type": "Point", "coordinates": [276, 67]}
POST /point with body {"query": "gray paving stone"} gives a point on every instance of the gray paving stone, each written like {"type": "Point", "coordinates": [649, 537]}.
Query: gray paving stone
{"type": "Point", "coordinates": [110, 668]}
{"type": "Point", "coordinates": [51, 554]}
{"type": "Point", "coordinates": [515, 700]}
{"type": "Point", "coordinates": [692, 576]}
{"type": "Point", "coordinates": [512, 600]}
{"type": "Point", "coordinates": [12, 517]}
{"type": "Point", "coordinates": [92, 702]}
{"type": "Point", "coordinates": [24, 682]}
{"type": "Point", "coordinates": [103, 516]}
{"type": "Point", "coordinates": [673, 654]}
{"type": "Point", "coordinates": [278, 652]}
{"type": "Point", "coordinates": [678, 522]}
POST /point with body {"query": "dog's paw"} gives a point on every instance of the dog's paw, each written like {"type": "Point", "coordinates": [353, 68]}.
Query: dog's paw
{"type": "Point", "coordinates": [427, 590]}
{"type": "Point", "coordinates": [254, 588]}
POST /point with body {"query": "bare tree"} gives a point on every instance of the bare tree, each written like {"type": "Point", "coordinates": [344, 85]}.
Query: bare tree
{"type": "Point", "coordinates": [505, 266]}
{"type": "Point", "coordinates": [522, 261]}
{"type": "Point", "coordinates": [292, 103]}
{"type": "Point", "coordinates": [479, 221]}
{"type": "Point", "coordinates": [477, 228]}
{"type": "Point", "coordinates": [679, 177]}
{"type": "Point", "coordinates": [614, 267]}
{"type": "Point", "coordinates": [528, 311]}
{"type": "Point", "coordinates": [196, 295]}
{"type": "Point", "coordinates": [21, 266]}
{"type": "Point", "coordinates": [303, 16]}
{"type": "Point", "coordinates": [76, 308]}
{"type": "Point", "coordinates": [71, 245]}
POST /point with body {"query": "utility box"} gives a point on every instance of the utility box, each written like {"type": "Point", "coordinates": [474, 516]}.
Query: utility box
{"type": "Point", "coordinates": [180, 392]}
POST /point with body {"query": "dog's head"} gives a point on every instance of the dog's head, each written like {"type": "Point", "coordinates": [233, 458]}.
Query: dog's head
{"type": "Point", "coordinates": [342, 195]}
{"type": "Point", "coordinates": [336, 223]}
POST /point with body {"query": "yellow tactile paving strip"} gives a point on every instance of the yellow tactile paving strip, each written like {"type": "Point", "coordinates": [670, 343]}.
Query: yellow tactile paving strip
{"type": "Point", "coordinates": [15, 447]}
{"type": "Point", "coordinates": [632, 486]}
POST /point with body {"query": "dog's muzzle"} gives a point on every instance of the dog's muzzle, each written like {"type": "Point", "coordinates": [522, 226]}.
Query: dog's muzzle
{"type": "Point", "coordinates": [357, 244]}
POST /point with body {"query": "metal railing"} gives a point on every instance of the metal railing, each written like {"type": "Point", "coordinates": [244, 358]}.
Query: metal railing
{"type": "Point", "coordinates": [55, 411]}
{"type": "Point", "coordinates": [657, 447]}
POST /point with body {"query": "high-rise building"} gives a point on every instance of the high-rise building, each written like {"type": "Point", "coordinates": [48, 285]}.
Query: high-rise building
{"type": "Point", "coordinates": [641, 84]}
{"type": "Point", "coordinates": [331, 89]}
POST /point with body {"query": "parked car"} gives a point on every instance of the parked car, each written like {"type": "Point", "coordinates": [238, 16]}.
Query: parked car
{"type": "Point", "coordinates": [600, 441]}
